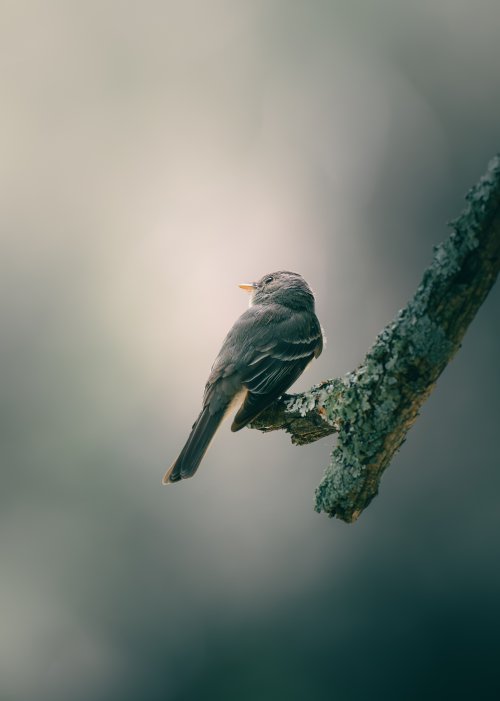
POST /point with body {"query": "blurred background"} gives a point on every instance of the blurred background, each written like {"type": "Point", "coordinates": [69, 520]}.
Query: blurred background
{"type": "Point", "coordinates": [154, 155]}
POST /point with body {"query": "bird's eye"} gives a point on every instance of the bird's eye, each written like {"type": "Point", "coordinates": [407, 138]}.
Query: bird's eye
{"type": "Point", "coordinates": [268, 280]}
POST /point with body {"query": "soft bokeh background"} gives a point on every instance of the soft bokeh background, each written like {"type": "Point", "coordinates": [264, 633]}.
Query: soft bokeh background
{"type": "Point", "coordinates": [153, 155]}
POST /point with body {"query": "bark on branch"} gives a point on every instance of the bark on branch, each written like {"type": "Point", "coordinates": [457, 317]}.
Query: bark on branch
{"type": "Point", "coordinates": [372, 408]}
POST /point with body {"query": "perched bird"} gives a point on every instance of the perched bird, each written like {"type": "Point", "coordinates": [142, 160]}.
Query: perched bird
{"type": "Point", "coordinates": [262, 355]}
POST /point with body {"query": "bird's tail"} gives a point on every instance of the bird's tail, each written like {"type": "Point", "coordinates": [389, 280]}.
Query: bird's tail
{"type": "Point", "coordinates": [203, 431]}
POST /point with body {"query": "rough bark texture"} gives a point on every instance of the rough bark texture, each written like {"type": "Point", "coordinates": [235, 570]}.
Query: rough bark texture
{"type": "Point", "coordinates": [372, 407]}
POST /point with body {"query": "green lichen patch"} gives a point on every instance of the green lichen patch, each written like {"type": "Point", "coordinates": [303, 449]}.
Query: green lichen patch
{"type": "Point", "coordinates": [321, 398]}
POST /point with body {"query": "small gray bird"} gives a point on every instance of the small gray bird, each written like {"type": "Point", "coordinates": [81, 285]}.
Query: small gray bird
{"type": "Point", "coordinates": [263, 354]}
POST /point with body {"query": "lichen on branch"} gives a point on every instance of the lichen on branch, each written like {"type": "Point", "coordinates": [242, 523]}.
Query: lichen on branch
{"type": "Point", "coordinates": [372, 408]}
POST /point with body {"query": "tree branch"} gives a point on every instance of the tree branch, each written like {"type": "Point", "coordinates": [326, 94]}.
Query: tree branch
{"type": "Point", "coordinates": [372, 408]}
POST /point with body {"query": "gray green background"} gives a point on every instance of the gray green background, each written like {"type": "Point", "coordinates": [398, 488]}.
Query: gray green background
{"type": "Point", "coordinates": [152, 156]}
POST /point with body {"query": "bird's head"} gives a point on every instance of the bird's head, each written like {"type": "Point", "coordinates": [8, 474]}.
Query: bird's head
{"type": "Point", "coordinates": [282, 287]}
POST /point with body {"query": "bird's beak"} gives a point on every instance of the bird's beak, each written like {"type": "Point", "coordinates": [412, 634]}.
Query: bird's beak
{"type": "Point", "coordinates": [248, 286]}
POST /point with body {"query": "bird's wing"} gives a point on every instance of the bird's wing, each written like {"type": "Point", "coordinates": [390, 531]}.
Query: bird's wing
{"type": "Point", "coordinates": [276, 358]}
